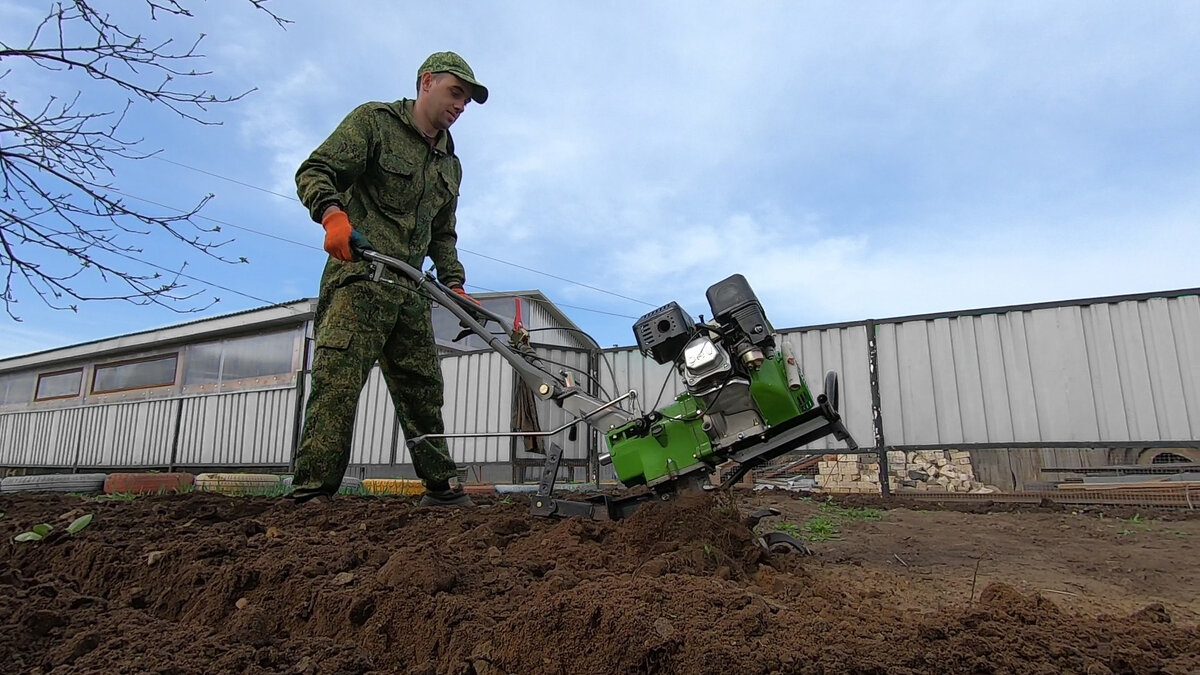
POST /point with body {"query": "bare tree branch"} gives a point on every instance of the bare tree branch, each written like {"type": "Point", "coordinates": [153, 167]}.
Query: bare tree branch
{"type": "Point", "coordinates": [63, 222]}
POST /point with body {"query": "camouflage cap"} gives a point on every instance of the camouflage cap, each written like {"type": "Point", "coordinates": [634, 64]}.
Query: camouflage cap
{"type": "Point", "coordinates": [449, 62]}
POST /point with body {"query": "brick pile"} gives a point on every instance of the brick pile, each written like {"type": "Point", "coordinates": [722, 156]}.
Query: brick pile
{"type": "Point", "coordinates": [925, 470]}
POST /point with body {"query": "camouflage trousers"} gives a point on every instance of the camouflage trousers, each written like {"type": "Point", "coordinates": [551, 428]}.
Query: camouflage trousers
{"type": "Point", "coordinates": [357, 324]}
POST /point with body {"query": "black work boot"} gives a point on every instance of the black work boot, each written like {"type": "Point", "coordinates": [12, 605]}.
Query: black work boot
{"type": "Point", "coordinates": [441, 494]}
{"type": "Point", "coordinates": [309, 492]}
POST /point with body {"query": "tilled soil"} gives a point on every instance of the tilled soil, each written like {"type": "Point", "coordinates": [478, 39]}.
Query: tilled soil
{"type": "Point", "coordinates": [202, 583]}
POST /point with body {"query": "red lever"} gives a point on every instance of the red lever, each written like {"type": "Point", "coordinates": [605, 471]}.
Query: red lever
{"type": "Point", "coordinates": [517, 324]}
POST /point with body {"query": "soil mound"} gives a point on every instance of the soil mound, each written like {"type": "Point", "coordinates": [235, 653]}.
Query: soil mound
{"type": "Point", "coordinates": [204, 583]}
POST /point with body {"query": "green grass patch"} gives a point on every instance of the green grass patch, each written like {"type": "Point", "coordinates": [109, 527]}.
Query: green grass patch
{"type": "Point", "coordinates": [820, 528]}
{"type": "Point", "coordinates": [788, 527]}
{"type": "Point", "coordinates": [115, 497]}
{"type": "Point", "coordinates": [1133, 525]}
{"type": "Point", "coordinates": [850, 512]}
{"type": "Point", "coordinates": [130, 496]}
{"type": "Point", "coordinates": [817, 528]}
{"type": "Point", "coordinates": [277, 490]}
{"type": "Point", "coordinates": [827, 525]}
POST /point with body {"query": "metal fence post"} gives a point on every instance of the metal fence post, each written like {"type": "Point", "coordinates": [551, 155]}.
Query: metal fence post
{"type": "Point", "coordinates": [175, 435]}
{"type": "Point", "coordinates": [593, 467]}
{"type": "Point", "coordinates": [78, 447]}
{"type": "Point", "coordinates": [881, 449]}
{"type": "Point", "coordinates": [297, 414]}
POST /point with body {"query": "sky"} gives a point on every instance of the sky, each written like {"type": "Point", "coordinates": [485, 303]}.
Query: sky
{"type": "Point", "coordinates": [852, 160]}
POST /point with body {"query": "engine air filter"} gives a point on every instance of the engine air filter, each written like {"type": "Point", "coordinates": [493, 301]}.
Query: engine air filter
{"type": "Point", "coordinates": [663, 333]}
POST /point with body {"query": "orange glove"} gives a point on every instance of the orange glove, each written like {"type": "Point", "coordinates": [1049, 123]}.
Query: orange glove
{"type": "Point", "coordinates": [460, 291]}
{"type": "Point", "coordinates": [337, 235]}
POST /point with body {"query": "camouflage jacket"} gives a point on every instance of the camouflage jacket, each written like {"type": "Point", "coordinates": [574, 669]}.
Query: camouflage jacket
{"type": "Point", "coordinates": [399, 192]}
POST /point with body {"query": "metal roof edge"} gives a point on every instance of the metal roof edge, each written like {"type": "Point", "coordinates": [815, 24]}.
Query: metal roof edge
{"type": "Point", "coordinates": [548, 304]}
{"type": "Point", "coordinates": [1080, 302]}
{"type": "Point", "coordinates": [1053, 304]}
{"type": "Point", "coordinates": [1001, 309]}
{"type": "Point", "coordinates": [294, 311]}
{"type": "Point", "coordinates": [561, 316]}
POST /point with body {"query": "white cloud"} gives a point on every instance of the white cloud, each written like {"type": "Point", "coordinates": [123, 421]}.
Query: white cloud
{"type": "Point", "coordinates": [271, 123]}
{"type": "Point", "coordinates": [852, 162]}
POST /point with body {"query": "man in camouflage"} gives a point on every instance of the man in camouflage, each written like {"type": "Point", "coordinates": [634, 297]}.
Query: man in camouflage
{"type": "Point", "coordinates": [388, 173]}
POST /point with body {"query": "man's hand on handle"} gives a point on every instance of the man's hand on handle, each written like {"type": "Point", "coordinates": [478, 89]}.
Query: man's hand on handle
{"type": "Point", "coordinates": [459, 290]}
{"type": "Point", "coordinates": [337, 234]}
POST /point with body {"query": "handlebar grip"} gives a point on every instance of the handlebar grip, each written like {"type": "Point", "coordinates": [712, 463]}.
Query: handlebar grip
{"type": "Point", "coordinates": [358, 244]}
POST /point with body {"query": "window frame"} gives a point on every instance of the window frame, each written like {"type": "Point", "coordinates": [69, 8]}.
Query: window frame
{"type": "Point", "coordinates": [242, 383]}
{"type": "Point", "coordinates": [38, 384]}
{"type": "Point", "coordinates": [144, 359]}
{"type": "Point", "coordinates": [16, 377]}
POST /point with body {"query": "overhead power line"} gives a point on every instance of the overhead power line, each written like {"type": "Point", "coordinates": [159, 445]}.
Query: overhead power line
{"type": "Point", "coordinates": [311, 247]}
{"type": "Point", "coordinates": [292, 198]}
{"type": "Point", "coordinates": [168, 270]}
{"type": "Point", "coordinates": [226, 178]}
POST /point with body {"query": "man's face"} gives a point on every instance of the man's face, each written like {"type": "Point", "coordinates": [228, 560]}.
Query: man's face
{"type": "Point", "coordinates": [446, 98]}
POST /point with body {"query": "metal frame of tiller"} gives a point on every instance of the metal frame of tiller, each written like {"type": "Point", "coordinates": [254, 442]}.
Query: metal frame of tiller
{"type": "Point", "coordinates": [822, 420]}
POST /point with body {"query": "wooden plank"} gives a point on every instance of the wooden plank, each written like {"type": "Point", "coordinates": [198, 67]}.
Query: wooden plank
{"type": "Point", "coordinates": [1026, 466]}
{"type": "Point", "coordinates": [1097, 456]}
{"type": "Point", "coordinates": [1148, 485]}
{"type": "Point", "coordinates": [993, 467]}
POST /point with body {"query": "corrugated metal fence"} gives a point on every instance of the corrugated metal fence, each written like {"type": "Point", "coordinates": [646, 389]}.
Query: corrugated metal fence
{"type": "Point", "coordinates": [1021, 387]}
{"type": "Point", "coordinates": [1120, 373]}
{"type": "Point", "coordinates": [252, 428]}
{"type": "Point", "coordinates": [1044, 387]}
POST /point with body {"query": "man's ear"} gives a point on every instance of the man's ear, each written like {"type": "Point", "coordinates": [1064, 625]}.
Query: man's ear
{"type": "Point", "coordinates": [424, 82]}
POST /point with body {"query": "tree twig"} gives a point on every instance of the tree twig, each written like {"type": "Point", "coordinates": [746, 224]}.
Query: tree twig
{"type": "Point", "coordinates": [1051, 590]}
{"type": "Point", "coordinates": [63, 222]}
{"type": "Point", "coordinates": [974, 578]}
